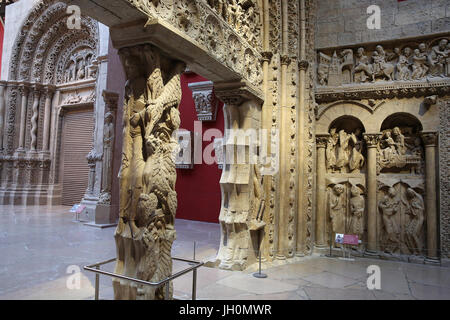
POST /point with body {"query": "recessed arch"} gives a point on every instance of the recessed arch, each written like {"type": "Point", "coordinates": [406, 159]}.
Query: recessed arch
{"type": "Point", "coordinates": [400, 119]}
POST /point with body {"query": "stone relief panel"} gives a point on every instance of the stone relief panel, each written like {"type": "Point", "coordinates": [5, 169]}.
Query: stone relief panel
{"type": "Point", "coordinates": [344, 152]}
{"type": "Point", "coordinates": [400, 150]}
{"type": "Point", "coordinates": [401, 210]}
{"type": "Point", "coordinates": [81, 66]}
{"type": "Point", "coordinates": [406, 62]}
{"type": "Point", "coordinates": [185, 152]}
{"type": "Point", "coordinates": [346, 207]}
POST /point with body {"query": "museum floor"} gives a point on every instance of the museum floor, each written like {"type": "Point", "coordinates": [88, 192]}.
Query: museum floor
{"type": "Point", "coordinates": [37, 245]}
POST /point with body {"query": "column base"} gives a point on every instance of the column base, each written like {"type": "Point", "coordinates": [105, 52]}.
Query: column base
{"type": "Point", "coordinates": [371, 254]}
{"type": "Point", "coordinates": [100, 226]}
{"type": "Point", "coordinates": [280, 257]}
{"type": "Point", "coordinates": [432, 261]}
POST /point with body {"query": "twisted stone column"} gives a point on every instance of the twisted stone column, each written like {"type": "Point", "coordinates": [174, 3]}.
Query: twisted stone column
{"type": "Point", "coordinates": [34, 117]}
{"type": "Point", "coordinates": [372, 142]}
{"type": "Point", "coordinates": [430, 139]}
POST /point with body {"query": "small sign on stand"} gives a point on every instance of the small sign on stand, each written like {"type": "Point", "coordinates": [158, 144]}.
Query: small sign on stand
{"type": "Point", "coordinates": [78, 209]}
{"type": "Point", "coordinates": [347, 240]}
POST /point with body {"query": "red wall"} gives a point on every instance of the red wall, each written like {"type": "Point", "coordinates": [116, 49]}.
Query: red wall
{"type": "Point", "coordinates": [198, 189]}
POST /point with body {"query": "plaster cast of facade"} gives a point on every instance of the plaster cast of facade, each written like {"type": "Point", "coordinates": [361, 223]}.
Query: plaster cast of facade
{"type": "Point", "coordinates": [50, 70]}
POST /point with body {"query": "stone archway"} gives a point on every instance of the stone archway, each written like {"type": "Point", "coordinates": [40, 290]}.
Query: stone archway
{"type": "Point", "coordinates": [51, 67]}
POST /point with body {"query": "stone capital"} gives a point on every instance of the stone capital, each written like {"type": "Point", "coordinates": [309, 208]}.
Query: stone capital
{"type": "Point", "coordinates": [303, 65]}
{"type": "Point", "coordinates": [111, 99]}
{"type": "Point", "coordinates": [285, 60]}
{"type": "Point", "coordinates": [430, 139]}
{"type": "Point", "coordinates": [321, 140]}
{"type": "Point", "coordinates": [372, 139]}
{"type": "Point", "coordinates": [267, 56]}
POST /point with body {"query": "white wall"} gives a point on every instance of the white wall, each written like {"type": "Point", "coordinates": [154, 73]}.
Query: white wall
{"type": "Point", "coordinates": [15, 16]}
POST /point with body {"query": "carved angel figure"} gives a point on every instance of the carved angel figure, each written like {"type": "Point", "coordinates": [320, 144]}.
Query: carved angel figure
{"type": "Point", "coordinates": [389, 206]}
{"type": "Point", "coordinates": [357, 206]}
{"type": "Point", "coordinates": [437, 58]}
{"type": "Point", "coordinates": [415, 208]}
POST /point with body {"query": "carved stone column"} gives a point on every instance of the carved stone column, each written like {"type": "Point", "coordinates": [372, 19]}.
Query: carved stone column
{"type": "Point", "coordinates": [282, 250]}
{"type": "Point", "coordinates": [241, 226]}
{"type": "Point", "coordinates": [34, 117]}
{"type": "Point", "coordinates": [47, 117]}
{"type": "Point", "coordinates": [148, 201]}
{"type": "Point", "coordinates": [321, 210]}
{"type": "Point", "coordinates": [372, 142]}
{"type": "Point", "coordinates": [2, 111]}
{"type": "Point", "coordinates": [430, 140]}
{"type": "Point", "coordinates": [23, 112]}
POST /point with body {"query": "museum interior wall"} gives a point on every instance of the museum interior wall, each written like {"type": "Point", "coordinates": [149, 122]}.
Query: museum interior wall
{"type": "Point", "coordinates": [198, 184]}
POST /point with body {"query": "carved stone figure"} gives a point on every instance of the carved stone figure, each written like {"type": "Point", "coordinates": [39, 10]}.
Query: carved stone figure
{"type": "Point", "coordinates": [108, 145]}
{"type": "Point", "coordinates": [148, 199]}
{"type": "Point", "coordinates": [338, 209]}
{"type": "Point", "coordinates": [415, 207]}
{"type": "Point", "coordinates": [81, 71]}
{"type": "Point", "coordinates": [343, 152]}
{"type": "Point", "coordinates": [330, 151]}
{"type": "Point", "coordinates": [380, 66]}
{"type": "Point", "coordinates": [403, 65]}
{"type": "Point", "coordinates": [437, 59]}
{"type": "Point", "coordinates": [363, 68]}
{"type": "Point", "coordinates": [357, 206]}
{"type": "Point", "coordinates": [419, 67]}
{"type": "Point", "coordinates": [389, 207]}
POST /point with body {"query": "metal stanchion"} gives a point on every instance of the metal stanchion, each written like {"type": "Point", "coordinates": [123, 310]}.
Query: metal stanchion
{"type": "Point", "coordinates": [167, 290]}
{"type": "Point", "coordinates": [194, 284]}
{"type": "Point", "coordinates": [331, 246]}
{"type": "Point", "coordinates": [191, 263]}
{"type": "Point", "coordinates": [97, 283]}
{"type": "Point", "coordinates": [259, 274]}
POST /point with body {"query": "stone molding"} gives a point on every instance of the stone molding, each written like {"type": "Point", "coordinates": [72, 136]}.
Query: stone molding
{"type": "Point", "coordinates": [390, 90]}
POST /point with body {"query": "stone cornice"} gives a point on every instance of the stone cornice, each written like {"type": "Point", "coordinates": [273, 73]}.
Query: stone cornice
{"type": "Point", "coordinates": [403, 89]}
{"type": "Point", "coordinates": [235, 93]}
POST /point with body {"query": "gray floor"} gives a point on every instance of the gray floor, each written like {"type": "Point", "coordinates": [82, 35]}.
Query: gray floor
{"type": "Point", "coordinates": [38, 246]}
